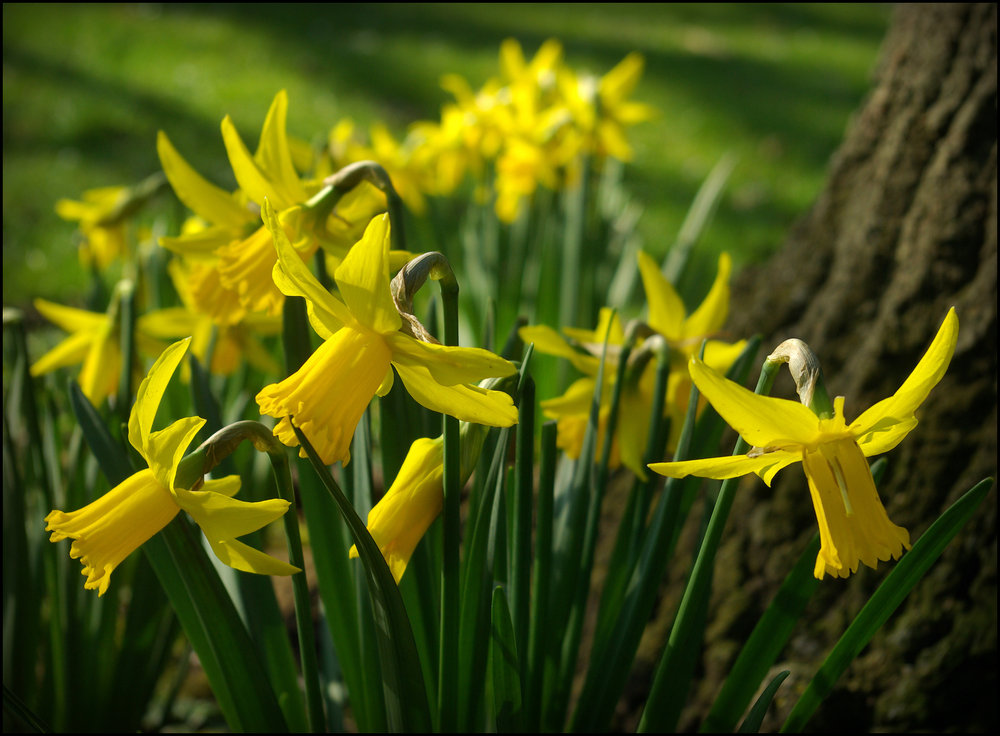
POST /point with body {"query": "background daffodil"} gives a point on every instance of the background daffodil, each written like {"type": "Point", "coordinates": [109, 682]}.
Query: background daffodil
{"type": "Point", "coordinates": [106, 531]}
{"type": "Point", "coordinates": [853, 524]}
{"type": "Point", "coordinates": [362, 344]}
{"type": "Point", "coordinates": [683, 333]}
{"type": "Point", "coordinates": [95, 342]}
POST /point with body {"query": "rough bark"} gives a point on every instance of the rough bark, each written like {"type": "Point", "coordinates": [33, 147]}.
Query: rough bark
{"type": "Point", "coordinates": [905, 228]}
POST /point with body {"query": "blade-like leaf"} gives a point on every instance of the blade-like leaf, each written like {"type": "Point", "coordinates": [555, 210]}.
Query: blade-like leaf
{"type": "Point", "coordinates": [505, 669]}
{"type": "Point", "coordinates": [405, 695]}
{"type": "Point", "coordinates": [756, 714]}
{"type": "Point", "coordinates": [885, 601]}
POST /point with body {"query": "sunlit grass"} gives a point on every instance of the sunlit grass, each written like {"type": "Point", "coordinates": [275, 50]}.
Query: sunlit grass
{"type": "Point", "coordinates": [87, 87]}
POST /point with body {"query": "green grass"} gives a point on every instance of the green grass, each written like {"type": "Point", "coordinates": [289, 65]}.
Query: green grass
{"type": "Point", "coordinates": [86, 87]}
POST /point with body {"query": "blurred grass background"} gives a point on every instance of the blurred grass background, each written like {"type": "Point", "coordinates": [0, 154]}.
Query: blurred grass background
{"type": "Point", "coordinates": [86, 87]}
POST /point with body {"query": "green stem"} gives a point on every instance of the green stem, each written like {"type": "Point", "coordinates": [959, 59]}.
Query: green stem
{"type": "Point", "coordinates": [672, 681]}
{"type": "Point", "coordinates": [300, 590]}
{"type": "Point", "coordinates": [450, 581]}
{"type": "Point", "coordinates": [126, 297]}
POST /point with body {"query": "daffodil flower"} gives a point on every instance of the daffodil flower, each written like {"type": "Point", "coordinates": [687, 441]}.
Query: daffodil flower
{"type": "Point", "coordinates": [236, 246]}
{"type": "Point", "coordinates": [103, 242]}
{"type": "Point", "coordinates": [404, 514]}
{"type": "Point", "coordinates": [362, 345]}
{"type": "Point", "coordinates": [683, 333]}
{"type": "Point", "coordinates": [231, 343]}
{"type": "Point", "coordinates": [108, 530]}
{"type": "Point", "coordinates": [853, 524]}
{"type": "Point", "coordinates": [94, 340]}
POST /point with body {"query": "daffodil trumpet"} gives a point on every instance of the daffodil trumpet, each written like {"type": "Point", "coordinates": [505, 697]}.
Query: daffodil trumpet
{"type": "Point", "coordinates": [109, 529]}
{"type": "Point", "coordinates": [854, 526]}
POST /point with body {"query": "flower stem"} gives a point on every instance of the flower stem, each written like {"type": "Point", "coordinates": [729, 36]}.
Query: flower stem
{"type": "Point", "coordinates": [300, 590]}
{"type": "Point", "coordinates": [448, 659]}
{"type": "Point", "coordinates": [673, 674]}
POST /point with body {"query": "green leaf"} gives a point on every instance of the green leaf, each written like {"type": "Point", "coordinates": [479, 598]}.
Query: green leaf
{"type": "Point", "coordinates": [203, 607]}
{"type": "Point", "coordinates": [505, 668]}
{"type": "Point", "coordinates": [756, 714]}
{"type": "Point", "coordinates": [765, 643]}
{"type": "Point", "coordinates": [477, 582]}
{"type": "Point", "coordinates": [405, 694]}
{"type": "Point", "coordinates": [674, 672]}
{"type": "Point", "coordinates": [110, 454]}
{"type": "Point", "coordinates": [885, 601]}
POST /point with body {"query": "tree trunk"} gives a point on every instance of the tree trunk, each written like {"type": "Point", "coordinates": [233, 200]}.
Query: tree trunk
{"type": "Point", "coordinates": [906, 228]}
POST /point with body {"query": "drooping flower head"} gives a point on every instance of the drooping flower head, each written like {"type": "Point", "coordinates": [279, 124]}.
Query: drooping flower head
{"type": "Point", "coordinates": [404, 514]}
{"type": "Point", "coordinates": [108, 530]}
{"type": "Point", "coordinates": [853, 523]}
{"type": "Point", "coordinates": [363, 344]}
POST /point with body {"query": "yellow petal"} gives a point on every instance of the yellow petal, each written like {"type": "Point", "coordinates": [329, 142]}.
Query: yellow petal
{"type": "Point", "coordinates": [448, 364]}
{"type": "Point", "coordinates": [885, 436]}
{"type": "Point", "coordinates": [165, 449]}
{"type": "Point", "coordinates": [292, 276]}
{"type": "Point", "coordinates": [550, 342]}
{"type": "Point", "coordinates": [222, 517]}
{"type": "Point", "coordinates": [763, 421]}
{"type": "Point", "coordinates": [211, 203]}
{"type": "Point", "coordinates": [666, 310]}
{"type": "Point", "coordinates": [274, 154]}
{"type": "Point", "coordinates": [70, 351]}
{"type": "Point", "coordinates": [150, 393]}
{"type": "Point", "coordinates": [202, 243]}
{"type": "Point", "coordinates": [468, 403]}
{"type": "Point", "coordinates": [720, 356]}
{"type": "Point", "coordinates": [102, 366]}
{"type": "Point", "coordinates": [70, 318]}
{"type": "Point", "coordinates": [622, 79]}
{"type": "Point", "coordinates": [711, 314]}
{"type": "Point", "coordinates": [633, 428]}
{"type": "Point", "coordinates": [172, 322]}
{"type": "Point", "coordinates": [608, 323]}
{"type": "Point", "coordinates": [243, 557]}
{"type": "Point", "coordinates": [386, 386]}
{"type": "Point", "coordinates": [363, 279]}
{"type": "Point", "coordinates": [901, 405]}
{"type": "Point", "coordinates": [252, 179]}
{"type": "Point", "coordinates": [227, 486]}
{"type": "Point", "coordinates": [766, 464]}
{"type": "Point", "coordinates": [576, 400]}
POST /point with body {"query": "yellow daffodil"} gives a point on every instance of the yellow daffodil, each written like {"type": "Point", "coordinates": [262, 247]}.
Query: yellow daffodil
{"type": "Point", "coordinates": [106, 531]}
{"type": "Point", "coordinates": [572, 409]}
{"type": "Point", "coordinates": [600, 108]}
{"type": "Point", "coordinates": [103, 215]}
{"type": "Point", "coordinates": [231, 343]}
{"type": "Point", "coordinates": [362, 345]}
{"type": "Point", "coordinates": [406, 511]}
{"type": "Point", "coordinates": [94, 341]}
{"type": "Point", "coordinates": [683, 334]}
{"type": "Point", "coordinates": [853, 524]}
{"type": "Point", "coordinates": [102, 242]}
{"type": "Point", "coordinates": [235, 247]}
